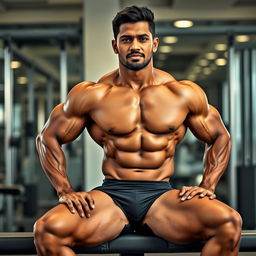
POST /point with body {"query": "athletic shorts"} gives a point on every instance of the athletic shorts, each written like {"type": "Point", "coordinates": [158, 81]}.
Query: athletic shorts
{"type": "Point", "coordinates": [134, 198]}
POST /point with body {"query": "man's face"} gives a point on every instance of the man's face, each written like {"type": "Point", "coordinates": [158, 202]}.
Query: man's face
{"type": "Point", "coordinates": [135, 45]}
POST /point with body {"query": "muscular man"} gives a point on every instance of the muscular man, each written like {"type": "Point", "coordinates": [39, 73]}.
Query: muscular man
{"type": "Point", "coordinates": [137, 114]}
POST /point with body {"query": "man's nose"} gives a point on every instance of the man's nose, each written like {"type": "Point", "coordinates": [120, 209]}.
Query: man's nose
{"type": "Point", "coordinates": [135, 45]}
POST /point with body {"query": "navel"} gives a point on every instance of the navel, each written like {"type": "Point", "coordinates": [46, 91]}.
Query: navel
{"type": "Point", "coordinates": [138, 171]}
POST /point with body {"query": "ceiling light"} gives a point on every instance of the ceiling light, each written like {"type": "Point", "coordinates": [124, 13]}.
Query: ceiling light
{"type": "Point", "coordinates": [220, 47]}
{"type": "Point", "coordinates": [165, 49]}
{"type": "Point", "coordinates": [203, 62]}
{"type": "Point", "coordinates": [183, 23]}
{"type": "Point", "coordinates": [170, 39]}
{"type": "Point", "coordinates": [207, 71]}
{"type": "Point", "coordinates": [15, 64]}
{"type": "Point", "coordinates": [22, 80]}
{"type": "Point", "coordinates": [225, 54]}
{"type": "Point", "coordinates": [211, 55]}
{"type": "Point", "coordinates": [221, 62]}
{"type": "Point", "coordinates": [242, 38]}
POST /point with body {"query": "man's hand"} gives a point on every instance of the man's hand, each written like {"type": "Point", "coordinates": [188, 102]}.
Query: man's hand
{"type": "Point", "coordinates": [81, 201]}
{"type": "Point", "coordinates": [187, 193]}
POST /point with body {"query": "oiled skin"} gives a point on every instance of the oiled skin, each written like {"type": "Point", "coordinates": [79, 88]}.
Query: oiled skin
{"type": "Point", "coordinates": [138, 118]}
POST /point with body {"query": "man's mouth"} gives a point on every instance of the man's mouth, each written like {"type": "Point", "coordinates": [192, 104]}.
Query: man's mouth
{"type": "Point", "coordinates": [134, 55]}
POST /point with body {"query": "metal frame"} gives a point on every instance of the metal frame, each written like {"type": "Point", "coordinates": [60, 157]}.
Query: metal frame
{"type": "Point", "coordinates": [253, 107]}
{"type": "Point", "coordinates": [205, 30]}
{"type": "Point", "coordinates": [64, 83]}
{"type": "Point", "coordinates": [29, 62]}
{"type": "Point", "coordinates": [63, 71]}
{"type": "Point", "coordinates": [35, 33]}
{"type": "Point", "coordinates": [49, 93]}
{"type": "Point", "coordinates": [9, 50]}
{"type": "Point", "coordinates": [233, 98]}
{"type": "Point", "coordinates": [246, 107]}
{"type": "Point", "coordinates": [8, 110]}
{"type": "Point", "coordinates": [242, 121]}
{"type": "Point", "coordinates": [29, 178]}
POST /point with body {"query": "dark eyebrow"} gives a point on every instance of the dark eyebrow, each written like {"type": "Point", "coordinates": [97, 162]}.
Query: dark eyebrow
{"type": "Point", "coordinates": [144, 35]}
{"type": "Point", "coordinates": [126, 36]}
{"type": "Point", "coordinates": [129, 36]}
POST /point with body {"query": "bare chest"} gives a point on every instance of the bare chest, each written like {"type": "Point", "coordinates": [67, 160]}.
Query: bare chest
{"type": "Point", "coordinates": [155, 109]}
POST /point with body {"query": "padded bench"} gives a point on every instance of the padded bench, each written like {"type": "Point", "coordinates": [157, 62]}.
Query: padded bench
{"type": "Point", "coordinates": [125, 245]}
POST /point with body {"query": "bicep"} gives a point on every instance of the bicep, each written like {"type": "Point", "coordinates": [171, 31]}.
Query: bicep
{"type": "Point", "coordinates": [63, 127]}
{"type": "Point", "coordinates": [208, 126]}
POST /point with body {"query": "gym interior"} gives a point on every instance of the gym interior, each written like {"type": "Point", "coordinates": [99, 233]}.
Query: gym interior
{"type": "Point", "coordinates": [48, 46]}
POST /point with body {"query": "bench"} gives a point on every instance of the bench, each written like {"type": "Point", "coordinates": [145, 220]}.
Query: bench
{"type": "Point", "coordinates": [126, 245]}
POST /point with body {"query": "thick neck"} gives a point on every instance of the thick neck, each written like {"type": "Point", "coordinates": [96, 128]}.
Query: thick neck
{"type": "Point", "coordinates": [136, 79]}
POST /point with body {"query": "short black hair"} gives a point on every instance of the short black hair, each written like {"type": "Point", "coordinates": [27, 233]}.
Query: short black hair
{"type": "Point", "coordinates": [133, 14]}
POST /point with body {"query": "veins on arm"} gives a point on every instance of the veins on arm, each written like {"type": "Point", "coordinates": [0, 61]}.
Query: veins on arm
{"type": "Point", "coordinates": [65, 123]}
{"type": "Point", "coordinates": [205, 123]}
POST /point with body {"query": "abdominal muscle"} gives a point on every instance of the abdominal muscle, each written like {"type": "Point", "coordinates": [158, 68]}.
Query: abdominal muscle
{"type": "Point", "coordinates": [141, 164]}
{"type": "Point", "coordinates": [112, 170]}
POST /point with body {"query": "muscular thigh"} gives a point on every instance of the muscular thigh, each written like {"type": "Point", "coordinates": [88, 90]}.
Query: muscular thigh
{"type": "Point", "coordinates": [105, 223]}
{"type": "Point", "coordinates": [192, 219]}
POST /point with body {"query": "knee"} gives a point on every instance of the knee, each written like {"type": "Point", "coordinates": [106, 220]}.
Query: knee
{"type": "Point", "coordinates": [41, 233]}
{"type": "Point", "coordinates": [46, 242]}
{"type": "Point", "coordinates": [50, 225]}
{"type": "Point", "coordinates": [236, 220]}
{"type": "Point", "coordinates": [232, 225]}
{"type": "Point", "coordinates": [38, 228]}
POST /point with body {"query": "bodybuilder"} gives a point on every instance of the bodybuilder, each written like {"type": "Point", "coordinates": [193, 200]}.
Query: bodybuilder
{"type": "Point", "coordinates": [137, 114]}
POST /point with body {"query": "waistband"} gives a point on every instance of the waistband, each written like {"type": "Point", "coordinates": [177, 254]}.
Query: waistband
{"type": "Point", "coordinates": [136, 183]}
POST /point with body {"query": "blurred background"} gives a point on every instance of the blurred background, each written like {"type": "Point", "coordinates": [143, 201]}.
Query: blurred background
{"type": "Point", "coordinates": [48, 46]}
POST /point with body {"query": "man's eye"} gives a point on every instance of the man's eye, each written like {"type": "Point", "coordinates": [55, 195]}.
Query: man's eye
{"type": "Point", "coordinates": [126, 40]}
{"type": "Point", "coordinates": [143, 38]}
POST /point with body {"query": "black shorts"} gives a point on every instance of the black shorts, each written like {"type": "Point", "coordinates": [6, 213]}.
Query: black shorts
{"type": "Point", "coordinates": [134, 197]}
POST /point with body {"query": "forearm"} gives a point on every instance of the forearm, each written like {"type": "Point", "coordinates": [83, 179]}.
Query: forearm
{"type": "Point", "coordinates": [53, 162]}
{"type": "Point", "coordinates": [216, 158]}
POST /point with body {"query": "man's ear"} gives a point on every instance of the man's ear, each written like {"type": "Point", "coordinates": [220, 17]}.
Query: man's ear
{"type": "Point", "coordinates": [155, 43]}
{"type": "Point", "coordinates": [114, 46]}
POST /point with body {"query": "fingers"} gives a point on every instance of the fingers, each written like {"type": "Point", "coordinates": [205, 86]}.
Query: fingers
{"type": "Point", "coordinates": [90, 201]}
{"type": "Point", "coordinates": [190, 193]}
{"type": "Point", "coordinates": [68, 203]}
{"type": "Point", "coordinates": [183, 190]}
{"type": "Point", "coordinates": [187, 193]}
{"type": "Point", "coordinates": [213, 196]}
{"type": "Point", "coordinates": [208, 193]}
{"type": "Point", "coordinates": [80, 201]}
{"type": "Point", "coordinates": [82, 206]}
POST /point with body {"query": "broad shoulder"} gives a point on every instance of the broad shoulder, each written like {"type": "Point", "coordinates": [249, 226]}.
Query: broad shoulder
{"type": "Point", "coordinates": [84, 96]}
{"type": "Point", "coordinates": [192, 94]}
{"type": "Point", "coordinates": [82, 89]}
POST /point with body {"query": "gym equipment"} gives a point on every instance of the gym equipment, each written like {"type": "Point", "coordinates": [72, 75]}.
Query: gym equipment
{"type": "Point", "coordinates": [125, 245]}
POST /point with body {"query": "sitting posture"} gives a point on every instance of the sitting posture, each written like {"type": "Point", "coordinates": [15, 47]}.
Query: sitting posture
{"type": "Point", "coordinates": [137, 114]}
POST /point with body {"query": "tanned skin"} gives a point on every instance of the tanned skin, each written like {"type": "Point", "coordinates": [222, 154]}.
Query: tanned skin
{"type": "Point", "coordinates": [138, 118]}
